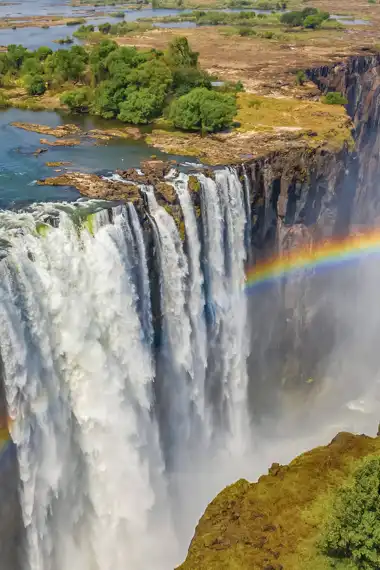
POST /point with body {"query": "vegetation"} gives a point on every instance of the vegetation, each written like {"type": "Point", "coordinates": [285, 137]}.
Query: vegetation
{"type": "Point", "coordinates": [76, 22]}
{"type": "Point", "coordinates": [307, 18]}
{"type": "Point", "coordinates": [334, 98]}
{"type": "Point", "coordinates": [203, 110]}
{"type": "Point", "coordinates": [277, 522]}
{"type": "Point", "coordinates": [84, 31]}
{"type": "Point", "coordinates": [66, 40]}
{"type": "Point", "coordinates": [352, 537]}
{"type": "Point", "coordinates": [300, 77]}
{"type": "Point", "coordinates": [35, 85]}
{"type": "Point", "coordinates": [125, 83]}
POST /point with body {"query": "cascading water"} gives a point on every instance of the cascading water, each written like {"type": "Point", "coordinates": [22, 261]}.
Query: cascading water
{"type": "Point", "coordinates": [125, 343]}
{"type": "Point", "coordinates": [106, 422]}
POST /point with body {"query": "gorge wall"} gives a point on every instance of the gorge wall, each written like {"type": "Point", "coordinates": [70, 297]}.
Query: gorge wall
{"type": "Point", "coordinates": [132, 355]}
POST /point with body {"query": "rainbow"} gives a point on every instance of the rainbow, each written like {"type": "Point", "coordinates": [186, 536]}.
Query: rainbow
{"type": "Point", "coordinates": [329, 253]}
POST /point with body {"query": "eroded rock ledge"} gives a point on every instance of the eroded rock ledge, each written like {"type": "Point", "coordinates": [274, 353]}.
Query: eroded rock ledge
{"type": "Point", "coordinates": [275, 524]}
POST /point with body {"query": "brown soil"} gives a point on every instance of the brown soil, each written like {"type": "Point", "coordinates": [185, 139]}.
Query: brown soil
{"type": "Point", "coordinates": [264, 66]}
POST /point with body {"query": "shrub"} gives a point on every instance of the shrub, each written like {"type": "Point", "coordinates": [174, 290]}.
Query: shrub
{"type": "Point", "coordinates": [312, 22]}
{"type": "Point", "coordinates": [203, 110]}
{"type": "Point", "coordinates": [352, 535]}
{"type": "Point", "coordinates": [117, 14]}
{"type": "Point", "coordinates": [78, 100]}
{"type": "Point", "coordinates": [300, 77]}
{"type": "Point", "coordinates": [76, 22]}
{"type": "Point", "coordinates": [180, 53]}
{"type": "Point", "coordinates": [292, 19]}
{"type": "Point", "coordinates": [334, 98]}
{"type": "Point", "coordinates": [105, 28]}
{"type": "Point", "coordinates": [35, 85]}
{"type": "Point", "coordinates": [4, 101]}
{"type": "Point", "coordinates": [245, 31]}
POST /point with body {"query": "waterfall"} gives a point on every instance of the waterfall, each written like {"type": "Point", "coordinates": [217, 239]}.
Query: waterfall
{"type": "Point", "coordinates": [109, 426]}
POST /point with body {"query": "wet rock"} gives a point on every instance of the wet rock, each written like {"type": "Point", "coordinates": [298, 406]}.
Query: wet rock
{"type": "Point", "coordinates": [95, 186]}
{"type": "Point", "coordinates": [58, 163]}
{"type": "Point", "coordinates": [166, 192]}
{"type": "Point", "coordinates": [61, 142]}
{"type": "Point", "coordinates": [40, 151]}
{"type": "Point", "coordinates": [59, 132]}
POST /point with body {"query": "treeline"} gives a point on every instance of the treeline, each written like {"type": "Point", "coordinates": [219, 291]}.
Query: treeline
{"type": "Point", "coordinates": [125, 83]}
{"type": "Point", "coordinates": [307, 18]}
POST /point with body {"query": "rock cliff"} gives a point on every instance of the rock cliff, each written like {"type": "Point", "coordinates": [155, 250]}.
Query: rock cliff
{"type": "Point", "coordinates": [275, 524]}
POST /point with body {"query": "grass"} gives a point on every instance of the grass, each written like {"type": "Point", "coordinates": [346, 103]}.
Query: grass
{"type": "Point", "coordinates": [330, 123]}
{"type": "Point", "coordinates": [277, 522]}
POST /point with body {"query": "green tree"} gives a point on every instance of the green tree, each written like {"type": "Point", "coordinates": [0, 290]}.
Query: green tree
{"type": "Point", "coordinates": [97, 59]}
{"type": "Point", "coordinates": [105, 28]}
{"type": "Point", "coordinates": [180, 54]}
{"type": "Point", "coordinates": [187, 78]}
{"type": "Point", "coordinates": [16, 55]}
{"type": "Point", "coordinates": [65, 65]}
{"type": "Point", "coordinates": [42, 52]}
{"type": "Point", "coordinates": [292, 19]}
{"type": "Point", "coordinates": [352, 536]}
{"type": "Point", "coordinates": [313, 22]}
{"type": "Point", "coordinates": [106, 100]}
{"type": "Point", "coordinates": [31, 66]}
{"type": "Point", "coordinates": [141, 106]}
{"type": "Point", "coordinates": [77, 100]}
{"type": "Point", "coordinates": [203, 110]}
{"type": "Point", "coordinates": [35, 85]}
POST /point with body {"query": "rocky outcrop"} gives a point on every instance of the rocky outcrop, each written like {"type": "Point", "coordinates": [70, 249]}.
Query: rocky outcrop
{"type": "Point", "coordinates": [275, 524]}
{"type": "Point", "coordinates": [95, 186]}
{"type": "Point", "coordinates": [359, 79]}
{"type": "Point", "coordinates": [59, 132]}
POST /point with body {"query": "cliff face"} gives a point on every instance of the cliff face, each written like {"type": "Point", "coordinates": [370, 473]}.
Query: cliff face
{"type": "Point", "coordinates": [359, 79]}
{"type": "Point", "coordinates": [275, 524]}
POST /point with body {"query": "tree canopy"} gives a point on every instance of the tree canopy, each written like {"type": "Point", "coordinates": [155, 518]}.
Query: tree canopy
{"type": "Point", "coordinates": [203, 110]}
{"type": "Point", "coordinates": [123, 82]}
{"type": "Point", "coordinates": [352, 537]}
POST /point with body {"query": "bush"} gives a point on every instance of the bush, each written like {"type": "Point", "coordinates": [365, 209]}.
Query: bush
{"type": "Point", "coordinates": [300, 77]}
{"type": "Point", "coordinates": [352, 536]}
{"type": "Point", "coordinates": [35, 85]}
{"type": "Point", "coordinates": [76, 22]}
{"type": "Point", "coordinates": [245, 31]}
{"type": "Point", "coordinates": [117, 14]}
{"type": "Point", "coordinates": [203, 110]}
{"type": "Point", "coordinates": [4, 101]}
{"type": "Point", "coordinates": [292, 19]}
{"type": "Point", "coordinates": [78, 100]}
{"type": "Point", "coordinates": [312, 22]}
{"type": "Point", "coordinates": [104, 28]}
{"type": "Point", "coordinates": [334, 98]}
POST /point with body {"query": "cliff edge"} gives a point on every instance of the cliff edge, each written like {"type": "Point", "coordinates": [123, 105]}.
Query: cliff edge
{"type": "Point", "coordinates": [276, 523]}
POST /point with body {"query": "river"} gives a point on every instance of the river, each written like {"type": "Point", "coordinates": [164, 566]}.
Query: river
{"type": "Point", "coordinates": [20, 168]}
